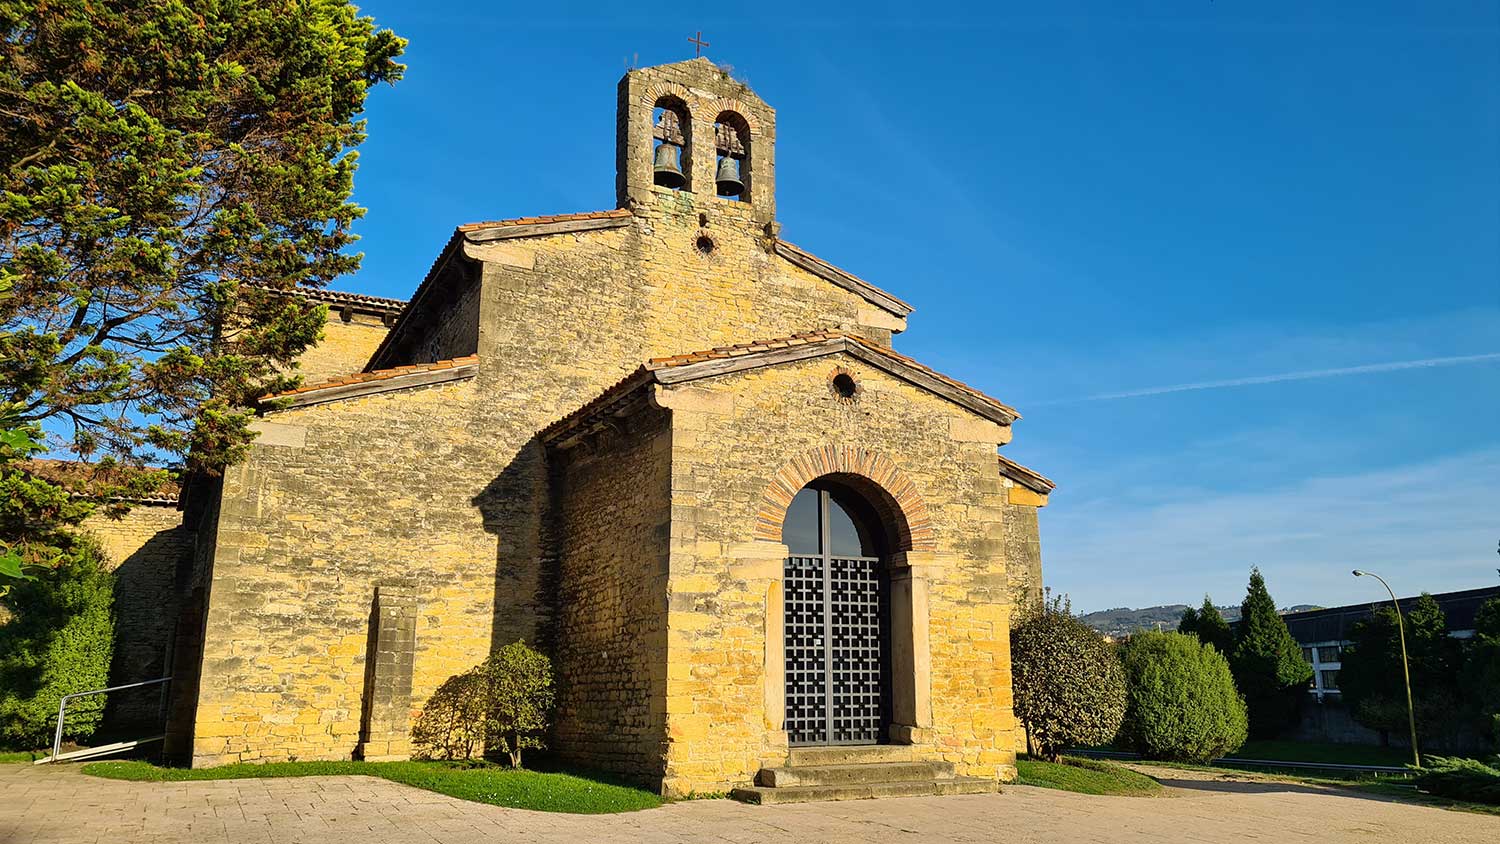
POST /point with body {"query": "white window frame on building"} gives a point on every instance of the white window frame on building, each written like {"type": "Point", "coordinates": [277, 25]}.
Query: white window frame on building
{"type": "Point", "coordinates": [1315, 653]}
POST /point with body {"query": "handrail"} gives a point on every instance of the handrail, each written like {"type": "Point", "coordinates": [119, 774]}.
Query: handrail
{"type": "Point", "coordinates": [1262, 763]}
{"type": "Point", "coordinates": [62, 706]}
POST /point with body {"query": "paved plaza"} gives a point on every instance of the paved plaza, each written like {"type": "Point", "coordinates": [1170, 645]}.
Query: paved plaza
{"type": "Point", "coordinates": [62, 805]}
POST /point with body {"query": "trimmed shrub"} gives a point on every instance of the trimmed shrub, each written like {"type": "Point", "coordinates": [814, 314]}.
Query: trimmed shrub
{"type": "Point", "coordinates": [503, 704]}
{"type": "Point", "coordinates": [1181, 701]}
{"type": "Point", "coordinates": [1069, 688]}
{"type": "Point", "coordinates": [1462, 779]}
{"type": "Point", "coordinates": [58, 640]}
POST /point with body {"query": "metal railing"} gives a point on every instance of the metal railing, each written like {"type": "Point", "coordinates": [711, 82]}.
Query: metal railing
{"type": "Point", "coordinates": [1232, 761]}
{"type": "Point", "coordinates": [62, 707]}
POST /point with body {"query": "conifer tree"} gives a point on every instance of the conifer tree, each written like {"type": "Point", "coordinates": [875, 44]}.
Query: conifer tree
{"type": "Point", "coordinates": [166, 169]}
{"type": "Point", "coordinates": [1208, 624]}
{"type": "Point", "coordinates": [1267, 662]}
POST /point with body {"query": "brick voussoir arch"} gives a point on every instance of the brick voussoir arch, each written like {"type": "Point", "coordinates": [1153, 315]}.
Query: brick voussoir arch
{"type": "Point", "coordinates": [893, 493]}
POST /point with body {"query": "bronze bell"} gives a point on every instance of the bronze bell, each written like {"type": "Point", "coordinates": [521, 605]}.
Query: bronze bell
{"type": "Point", "coordinates": [728, 179]}
{"type": "Point", "coordinates": [668, 173]}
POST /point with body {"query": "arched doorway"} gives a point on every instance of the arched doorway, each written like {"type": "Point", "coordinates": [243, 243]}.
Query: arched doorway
{"type": "Point", "coordinates": [836, 618]}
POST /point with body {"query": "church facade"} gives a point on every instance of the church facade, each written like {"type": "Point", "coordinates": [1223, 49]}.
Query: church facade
{"type": "Point", "coordinates": [661, 443]}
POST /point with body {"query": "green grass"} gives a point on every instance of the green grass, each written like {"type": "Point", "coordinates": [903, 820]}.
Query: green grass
{"type": "Point", "coordinates": [20, 755]}
{"type": "Point", "coordinates": [1313, 751]}
{"type": "Point", "coordinates": [543, 792]}
{"type": "Point", "coordinates": [1085, 776]}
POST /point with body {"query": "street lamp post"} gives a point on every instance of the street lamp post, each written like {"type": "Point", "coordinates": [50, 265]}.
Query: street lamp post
{"type": "Point", "coordinates": [1411, 714]}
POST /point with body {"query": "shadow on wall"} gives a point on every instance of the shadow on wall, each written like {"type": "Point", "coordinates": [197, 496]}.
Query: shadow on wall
{"type": "Point", "coordinates": [146, 605]}
{"type": "Point", "coordinates": [515, 509]}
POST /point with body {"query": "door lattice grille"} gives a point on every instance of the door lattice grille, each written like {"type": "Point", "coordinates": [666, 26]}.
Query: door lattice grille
{"type": "Point", "coordinates": [833, 650]}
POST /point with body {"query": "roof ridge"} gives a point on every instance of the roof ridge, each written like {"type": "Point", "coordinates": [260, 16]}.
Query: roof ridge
{"type": "Point", "coordinates": [545, 218]}
{"type": "Point", "coordinates": [377, 375]}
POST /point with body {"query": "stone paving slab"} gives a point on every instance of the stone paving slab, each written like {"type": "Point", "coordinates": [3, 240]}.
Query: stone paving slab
{"type": "Point", "coordinates": [43, 804]}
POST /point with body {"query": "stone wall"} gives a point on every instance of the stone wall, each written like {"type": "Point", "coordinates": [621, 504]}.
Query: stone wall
{"type": "Point", "coordinates": [146, 549]}
{"type": "Point", "coordinates": [349, 339]}
{"type": "Point", "coordinates": [731, 435]}
{"type": "Point", "coordinates": [454, 332]}
{"type": "Point", "coordinates": [1023, 547]}
{"type": "Point", "coordinates": [333, 501]}
{"type": "Point", "coordinates": [444, 489]}
{"type": "Point", "coordinates": [613, 517]}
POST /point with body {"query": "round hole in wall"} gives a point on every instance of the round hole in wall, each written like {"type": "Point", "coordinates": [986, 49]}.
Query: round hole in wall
{"type": "Point", "coordinates": [844, 386]}
{"type": "Point", "coordinates": [705, 244]}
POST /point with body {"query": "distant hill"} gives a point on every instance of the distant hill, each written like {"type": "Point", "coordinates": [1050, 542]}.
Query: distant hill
{"type": "Point", "coordinates": [1123, 621]}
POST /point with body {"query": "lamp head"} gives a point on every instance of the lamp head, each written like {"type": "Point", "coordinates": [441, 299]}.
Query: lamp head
{"type": "Point", "coordinates": [1358, 573]}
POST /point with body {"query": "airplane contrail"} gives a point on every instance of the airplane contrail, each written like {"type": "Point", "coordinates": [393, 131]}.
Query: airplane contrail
{"type": "Point", "coordinates": [1303, 375]}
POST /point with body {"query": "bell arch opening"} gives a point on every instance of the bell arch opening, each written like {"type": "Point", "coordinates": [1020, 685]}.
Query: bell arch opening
{"type": "Point", "coordinates": [732, 156]}
{"type": "Point", "coordinates": [837, 617]}
{"type": "Point", "coordinates": [671, 144]}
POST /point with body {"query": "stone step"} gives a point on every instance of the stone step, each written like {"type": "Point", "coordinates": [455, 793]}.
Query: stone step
{"type": "Point", "coordinates": [856, 754]}
{"type": "Point", "coordinates": [865, 791]}
{"type": "Point", "coordinates": [857, 774]}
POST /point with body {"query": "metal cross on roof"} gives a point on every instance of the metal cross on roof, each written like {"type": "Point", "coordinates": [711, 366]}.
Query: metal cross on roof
{"type": "Point", "coordinates": [698, 39]}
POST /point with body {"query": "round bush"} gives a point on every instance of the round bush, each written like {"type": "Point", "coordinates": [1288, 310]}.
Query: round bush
{"type": "Point", "coordinates": [1182, 704]}
{"type": "Point", "coordinates": [1069, 688]}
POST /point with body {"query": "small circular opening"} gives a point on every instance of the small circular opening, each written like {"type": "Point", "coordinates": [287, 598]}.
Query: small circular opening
{"type": "Point", "coordinates": [705, 244]}
{"type": "Point", "coordinates": [844, 386]}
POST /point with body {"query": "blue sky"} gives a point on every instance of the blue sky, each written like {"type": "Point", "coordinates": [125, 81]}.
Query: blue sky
{"type": "Point", "coordinates": [1082, 202]}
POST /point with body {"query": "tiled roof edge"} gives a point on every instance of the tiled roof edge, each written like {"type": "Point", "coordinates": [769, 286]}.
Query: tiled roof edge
{"type": "Point", "coordinates": [378, 381]}
{"type": "Point", "coordinates": [1029, 478]}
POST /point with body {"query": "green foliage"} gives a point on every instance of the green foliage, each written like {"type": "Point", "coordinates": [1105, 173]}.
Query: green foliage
{"type": "Point", "coordinates": [1374, 687]}
{"type": "Point", "coordinates": [1481, 676]}
{"type": "Point", "coordinates": [522, 694]}
{"type": "Point", "coordinates": [452, 723]}
{"type": "Point", "coordinates": [1183, 705]}
{"type": "Point", "coordinates": [1069, 688]}
{"type": "Point", "coordinates": [58, 640]}
{"type": "Point", "coordinates": [505, 703]}
{"type": "Point", "coordinates": [164, 167]}
{"type": "Point", "coordinates": [1462, 779]}
{"type": "Point", "coordinates": [1267, 663]}
{"type": "Point", "coordinates": [479, 782]}
{"type": "Point", "coordinates": [1085, 776]}
{"type": "Point", "coordinates": [1208, 624]}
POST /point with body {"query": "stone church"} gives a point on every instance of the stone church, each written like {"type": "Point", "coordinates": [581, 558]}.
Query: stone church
{"type": "Point", "coordinates": [663, 444]}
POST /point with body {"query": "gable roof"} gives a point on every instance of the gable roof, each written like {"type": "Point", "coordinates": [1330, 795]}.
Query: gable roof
{"type": "Point", "coordinates": [377, 381]}
{"type": "Point", "coordinates": [549, 224]}
{"type": "Point", "coordinates": [1029, 478]}
{"type": "Point", "coordinates": [692, 366]}
{"type": "Point", "coordinates": [847, 280]}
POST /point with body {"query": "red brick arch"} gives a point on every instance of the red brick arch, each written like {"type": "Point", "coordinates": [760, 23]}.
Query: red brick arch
{"type": "Point", "coordinates": [876, 476]}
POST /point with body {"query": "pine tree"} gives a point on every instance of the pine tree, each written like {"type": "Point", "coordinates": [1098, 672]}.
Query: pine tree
{"type": "Point", "coordinates": [1213, 629]}
{"type": "Point", "coordinates": [165, 170]}
{"type": "Point", "coordinates": [1267, 662]}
